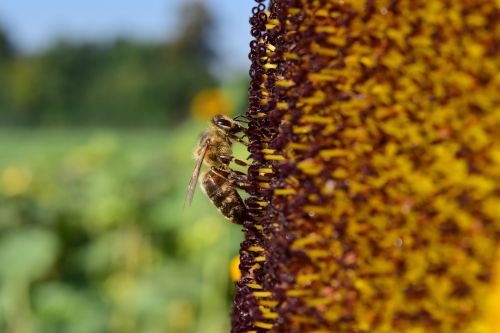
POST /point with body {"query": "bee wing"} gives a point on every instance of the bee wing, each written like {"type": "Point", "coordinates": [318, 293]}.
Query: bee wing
{"type": "Point", "coordinates": [194, 177]}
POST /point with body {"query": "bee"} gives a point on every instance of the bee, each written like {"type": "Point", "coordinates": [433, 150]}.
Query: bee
{"type": "Point", "coordinates": [220, 182]}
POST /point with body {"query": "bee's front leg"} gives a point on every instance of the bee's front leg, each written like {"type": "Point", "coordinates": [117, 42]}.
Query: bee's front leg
{"type": "Point", "coordinates": [238, 139]}
{"type": "Point", "coordinates": [228, 159]}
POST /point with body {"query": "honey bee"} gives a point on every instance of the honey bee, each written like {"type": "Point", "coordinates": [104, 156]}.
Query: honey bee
{"type": "Point", "coordinates": [219, 182]}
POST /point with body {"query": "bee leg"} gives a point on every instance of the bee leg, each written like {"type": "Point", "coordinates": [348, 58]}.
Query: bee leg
{"type": "Point", "coordinates": [238, 139]}
{"type": "Point", "coordinates": [239, 179]}
{"type": "Point", "coordinates": [239, 118]}
{"type": "Point", "coordinates": [240, 162]}
{"type": "Point", "coordinates": [228, 159]}
{"type": "Point", "coordinates": [241, 186]}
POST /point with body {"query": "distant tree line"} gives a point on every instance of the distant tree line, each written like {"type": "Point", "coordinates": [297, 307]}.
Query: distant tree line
{"type": "Point", "coordinates": [122, 83]}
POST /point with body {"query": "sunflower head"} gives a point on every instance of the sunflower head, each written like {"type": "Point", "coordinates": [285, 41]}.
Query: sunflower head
{"type": "Point", "coordinates": [375, 184]}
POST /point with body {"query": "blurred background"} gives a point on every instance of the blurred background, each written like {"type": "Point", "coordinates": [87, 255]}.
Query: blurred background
{"type": "Point", "coordinates": [101, 105]}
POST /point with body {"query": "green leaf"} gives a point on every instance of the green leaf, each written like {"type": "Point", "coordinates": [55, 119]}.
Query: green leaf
{"type": "Point", "coordinates": [27, 253]}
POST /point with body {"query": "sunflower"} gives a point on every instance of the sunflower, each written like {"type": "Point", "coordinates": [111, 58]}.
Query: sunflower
{"type": "Point", "coordinates": [375, 184]}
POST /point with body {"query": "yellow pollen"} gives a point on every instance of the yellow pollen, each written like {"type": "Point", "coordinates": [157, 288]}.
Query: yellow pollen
{"type": "Point", "coordinates": [268, 151]}
{"type": "Point", "coordinates": [340, 173]}
{"type": "Point", "coordinates": [265, 170]}
{"type": "Point", "coordinates": [317, 98]}
{"type": "Point", "coordinates": [254, 286]}
{"type": "Point", "coordinates": [298, 146]}
{"type": "Point", "coordinates": [322, 12]}
{"type": "Point", "coordinates": [285, 83]}
{"type": "Point", "coordinates": [261, 324]}
{"type": "Point", "coordinates": [310, 167]}
{"type": "Point", "coordinates": [284, 191]}
{"type": "Point", "coordinates": [291, 56]}
{"type": "Point", "coordinates": [306, 278]}
{"type": "Point", "coordinates": [317, 119]}
{"type": "Point", "coordinates": [332, 52]}
{"type": "Point", "coordinates": [271, 47]}
{"type": "Point", "coordinates": [319, 301]}
{"type": "Point", "coordinates": [328, 153]}
{"type": "Point", "coordinates": [335, 40]}
{"type": "Point", "coordinates": [317, 210]}
{"type": "Point", "coordinates": [260, 294]}
{"type": "Point", "coordinates": [303, 319]}
{"type": "Point", "coordinates": [264, 185]}
{"type": "Point", "coordinates": [326, 28]}
{"type": "Point", "coordinates": [255, 249]}
{"type": "Point", "coordinates": [270, 315]}
{"type": "Point", "coordinates": [293, 181]}
{"type": "Point", "coordinates": [302, 242]}
{"type": "Point", "coordinates": [255, 266]}
{"type": "Point", "coordinates": [274, 157]}
{"type": "Point", "coordinates": [260, 259]}
{"type": "Point", "coordinates": [367, 61]}
{"type": "Point", "coordinates": [315, 77]}
{"type": "Point", "coordinates": [270, 66]}
{"type": "Point", "coordinates": [301, 129]}
{"type": "Point", "coordinates": [270, 304]}
{"type": "Point", "coordinates": [297, 293]}
{"type": "Point", "coordinates": [282, 105]}
{"type": "Point", "coordinates": [318, 253]}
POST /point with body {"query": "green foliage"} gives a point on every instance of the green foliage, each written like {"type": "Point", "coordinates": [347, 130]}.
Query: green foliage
{"type": "Point", "coordinates": [121, 83]}
{"type": "Point", "coordinates": [6, 46]}
{"type": "Point", "coordinates": [93, 237]}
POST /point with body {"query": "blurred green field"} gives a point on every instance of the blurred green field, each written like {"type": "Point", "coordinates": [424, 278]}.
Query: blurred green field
{"type": "Point", "coordinates": [94, 238]}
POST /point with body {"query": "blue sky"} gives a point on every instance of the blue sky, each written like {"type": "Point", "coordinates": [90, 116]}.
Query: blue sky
{"type": "Point", "coordinates": [33, 24]}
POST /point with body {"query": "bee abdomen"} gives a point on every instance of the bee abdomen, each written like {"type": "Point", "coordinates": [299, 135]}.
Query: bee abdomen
{"type": "Point", "coordinates": [224, 196]}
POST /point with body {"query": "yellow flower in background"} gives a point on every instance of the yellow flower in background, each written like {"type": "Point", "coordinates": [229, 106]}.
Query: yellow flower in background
{"type": "Point", "coordinates": [375, 183]}
{"type": "Point", "coordinates": [234, 269]}
{"type": "Point", "coordinates": [211, 102]}
{"type": "Point", "coordinates": [15, 180]}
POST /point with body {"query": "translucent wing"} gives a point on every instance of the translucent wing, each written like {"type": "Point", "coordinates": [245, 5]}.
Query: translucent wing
{"type": "Point", "coordinates": [194, 177]}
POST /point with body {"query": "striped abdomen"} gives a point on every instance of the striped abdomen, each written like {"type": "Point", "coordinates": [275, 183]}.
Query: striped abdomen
{"type": "Point", "coordinates": [223, 195]}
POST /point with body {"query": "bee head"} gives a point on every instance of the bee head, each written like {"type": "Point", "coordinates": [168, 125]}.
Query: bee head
{"type": "Point", "coordinates": [226, 124]}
